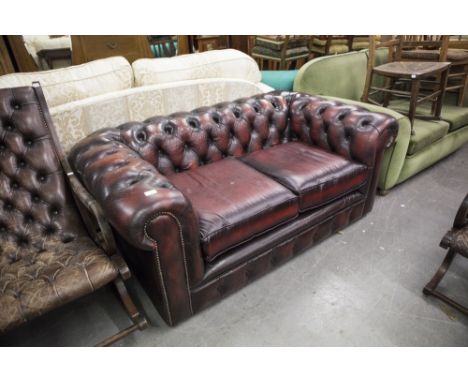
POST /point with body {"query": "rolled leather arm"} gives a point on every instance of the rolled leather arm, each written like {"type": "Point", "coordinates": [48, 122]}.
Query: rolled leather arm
{"type": "Point", "coordinates": [140, 203]}
{"type": "Point", "coordinates": [347, 130]}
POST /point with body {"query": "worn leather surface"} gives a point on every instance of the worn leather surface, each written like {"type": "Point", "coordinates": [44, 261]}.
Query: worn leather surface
{"type": "Point", "coordinates": [275, 255]}
{"type": "Point", "coordinates": [249, 250]}
{"type": "Point", "coordinates": [457, 240]}
{"type": "Point", "coordinates": [46, 257]}
{"type": "Point", "coordinates": [349, 131]}
{"type": "Point", "coordinates": [139, 202]}
{"type": "Point", "coordinates": [184, 141]}
{"type": "Point", "coordinates": [233, 203]}
{"type": "Point", "coordinates": [315, 175]}
{"type": "Point", "coordinates": [128, 169]}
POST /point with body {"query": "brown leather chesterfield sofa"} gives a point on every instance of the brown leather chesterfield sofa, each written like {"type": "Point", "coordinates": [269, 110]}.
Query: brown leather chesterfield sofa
{"type": "Point", "coordinates": [205, 202]}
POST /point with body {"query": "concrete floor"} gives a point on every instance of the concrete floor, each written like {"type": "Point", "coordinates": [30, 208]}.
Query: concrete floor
{"type": "Point", "coordinates": [361, 287]}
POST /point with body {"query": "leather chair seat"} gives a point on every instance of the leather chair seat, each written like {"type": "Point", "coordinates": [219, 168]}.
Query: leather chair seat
{"type": "Point", "coordinates": [315, 175]}
{"type": "Point", "coordinates": [36, 281]}
{"type": "Point", "coordinates": [233, 203]}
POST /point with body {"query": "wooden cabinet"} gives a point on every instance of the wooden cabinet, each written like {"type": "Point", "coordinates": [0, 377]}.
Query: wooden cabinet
{"type": "Point", "coordinates": [89, 48]}
{"type": "Point", "coordinates": [19, 58]}
{"type": "Point", "coordinates": [6, 65]}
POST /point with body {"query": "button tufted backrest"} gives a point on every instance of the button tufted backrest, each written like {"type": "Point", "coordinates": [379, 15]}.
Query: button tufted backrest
{"type": "Point", "coordinates": [36, 207]}
{"type": "Point", "coordinates": [186, 140]}
{"type": "Point", "coordinates": [183, 141]}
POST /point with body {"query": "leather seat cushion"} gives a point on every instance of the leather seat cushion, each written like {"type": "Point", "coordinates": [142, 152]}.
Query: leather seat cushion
{"type": "Point", "coordinates": [234, 203]}
{"type": "Point", "coordinates": [315, 175]}
{"type": "Point", "coordinates": [36, 281]}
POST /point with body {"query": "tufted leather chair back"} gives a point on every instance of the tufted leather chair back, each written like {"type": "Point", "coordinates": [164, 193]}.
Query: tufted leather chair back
{"type": "Point", "coordinates": [37, 211]}
{"type": "Point", "coordinates": [183, 141]}
{"type": "Point", "coordinates": [333, 126]}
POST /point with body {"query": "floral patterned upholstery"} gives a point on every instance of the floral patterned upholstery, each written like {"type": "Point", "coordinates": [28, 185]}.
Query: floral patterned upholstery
{"type": "Point", "coordinates": [74, 83]}
{"type": "Point", "coordinates": [76, 120]}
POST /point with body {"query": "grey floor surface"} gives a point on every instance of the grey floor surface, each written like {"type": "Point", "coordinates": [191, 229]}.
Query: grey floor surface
{"type": "Point", "coordinates": [361, 287]}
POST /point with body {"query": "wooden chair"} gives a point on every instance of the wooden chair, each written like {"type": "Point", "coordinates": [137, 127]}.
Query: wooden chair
{"type": "Point", "coordinates": [419, 82]}
{"type": "Point", "coordinates": [205, 43]}
{"type": "Point", "coordinates": [325, 45]}
{"type": "Point", "coordinates": [392, 46]}
{"type": "Point", "coordinates": [280, 52]}
{"type": "Point", "coordinates": [48, 257]}
{"type": "Point", "coordinates": [436, 48]}
{"type": "Point", "coordinates": [456, 241]}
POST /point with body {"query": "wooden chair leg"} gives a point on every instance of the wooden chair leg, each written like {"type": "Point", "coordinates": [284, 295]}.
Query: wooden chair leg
{"type": "Point", "coordinates": [430, 288]}
{"type": "Point", "coordinates": [139, 321]}
{"type": "Point", "coordinates": [432, 285]}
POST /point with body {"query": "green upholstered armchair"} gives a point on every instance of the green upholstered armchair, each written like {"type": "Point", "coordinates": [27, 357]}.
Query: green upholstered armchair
{"type": "Point", "coordinates": [343, 77]}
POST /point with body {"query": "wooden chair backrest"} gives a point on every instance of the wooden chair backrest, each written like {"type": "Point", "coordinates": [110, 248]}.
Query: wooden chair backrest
{"type": "Point", "coordinates": [393, 46]}
{"type": "Point", "coordinates": [424, 42]}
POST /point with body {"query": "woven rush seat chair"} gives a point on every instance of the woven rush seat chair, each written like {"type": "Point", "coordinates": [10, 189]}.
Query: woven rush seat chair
{"type": "Point", "coordinates": [47, 257]}
{"type": "Point", "coordinates": [436, 48]}
{"type": "Point", "coordinates": [280, 52]}
{"type": "Point", "coordinates": [456, 241]}
{"type": "Point", "coordinates": [324, 45]}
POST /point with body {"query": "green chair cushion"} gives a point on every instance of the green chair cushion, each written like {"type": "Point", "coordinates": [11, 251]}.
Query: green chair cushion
{"type": "Point", "coordinates": [426, 133]}
{"type": "Point", "coordinates": [279, 79]}
{"type": "Point", "coordinates": [320, 42]}
{"type": "Point", "coordinates": [277, 44]}
{"type": "Point", "coordinates": [456, 116]}
{"type": "Point", "coordinates": [262, 51]}
{"type": "Point", "coordinates": [334, 49]}
{"type": "Point", "coordinates": [358, 45]}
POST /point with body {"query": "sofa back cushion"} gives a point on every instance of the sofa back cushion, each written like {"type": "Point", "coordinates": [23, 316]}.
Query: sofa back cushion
{"type": "Point", "coordinates": [226, 63]}
{"type": "Point", "coordinates": [76, 120]}
{"type": "Point", "coordinates": [341, 76]}
{"type": "Point", "coordinates": [74, 83]}
{"type": "Point", "coordinates": [184, 141]}
{"type": "Point", "coordinates": [338, 76]}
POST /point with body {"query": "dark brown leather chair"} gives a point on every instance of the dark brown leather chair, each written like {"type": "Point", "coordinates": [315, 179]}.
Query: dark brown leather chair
{"type": "Point", "coordinates": [47, 258]}
{"type": "Point", "coordinates": [456, 241]}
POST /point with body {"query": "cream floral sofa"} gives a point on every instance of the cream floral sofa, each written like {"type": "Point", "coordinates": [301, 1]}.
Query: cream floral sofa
{"type": "Point", "coordinates": [109, 92]}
